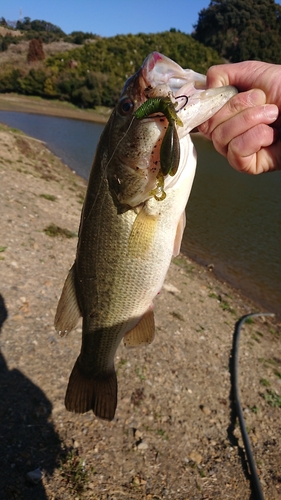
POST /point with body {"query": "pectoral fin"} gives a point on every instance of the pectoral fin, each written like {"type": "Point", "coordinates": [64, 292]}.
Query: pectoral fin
{"type": "Point", "coordinates": [143, 333]}
{"type": "Point", "coordinates": [68, 311]}
{"type": "Point", "coordinates": [179, 235]}
{"type": "Point", "coordinates": [142, 234]}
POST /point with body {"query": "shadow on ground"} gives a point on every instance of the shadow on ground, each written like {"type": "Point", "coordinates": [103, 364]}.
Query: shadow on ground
{"type": "Point", "coordinates": [27, 436]}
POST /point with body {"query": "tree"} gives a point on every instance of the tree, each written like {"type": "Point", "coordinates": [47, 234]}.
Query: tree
{"type": "Point", "coordinates": [241, 29]}
{"type": "Point", "coordinates": [34, 82]}
{"type": "Point", "coordinates": [24, 25]}
{"type": "Point", "coordinates": [3, 22]}
{"type": "Point", "coordinates": [35, 50]}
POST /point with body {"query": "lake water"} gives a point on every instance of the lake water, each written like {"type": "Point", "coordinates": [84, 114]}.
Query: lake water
{"type": "Point", "coordinates": [233, 220]}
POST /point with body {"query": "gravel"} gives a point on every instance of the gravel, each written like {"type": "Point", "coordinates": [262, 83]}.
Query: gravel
{"type": "Point", "coordinates": [174, 435]}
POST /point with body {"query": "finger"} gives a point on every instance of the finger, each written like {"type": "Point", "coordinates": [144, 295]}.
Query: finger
{"type": "Point", "coordinates": [243, 75]}
{"type": "Point", "coordinates": [235, 105]}
{"type": "Point", "coordinates": [255, 151]}
{"type": "Point", "coordinates": [246, 120]}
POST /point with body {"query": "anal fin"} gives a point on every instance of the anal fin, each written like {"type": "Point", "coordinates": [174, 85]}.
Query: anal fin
{"type": "Point", "coordinates": [97, 393]}
{"type": "Point", "coordinates": [68, 311]}
{"type": "Point", "coordinates": [143, 333]}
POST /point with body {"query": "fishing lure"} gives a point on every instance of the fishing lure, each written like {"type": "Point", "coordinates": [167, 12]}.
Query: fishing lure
{"type": "Point", "coordinates": [170, 147]}
{"type": "Point", "coordinates": [159, 105]}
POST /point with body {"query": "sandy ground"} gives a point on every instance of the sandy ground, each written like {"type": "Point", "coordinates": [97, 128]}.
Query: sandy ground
{"type": "Point", "coordinates": [174, 435]}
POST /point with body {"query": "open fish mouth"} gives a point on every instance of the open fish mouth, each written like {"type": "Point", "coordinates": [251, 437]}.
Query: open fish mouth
{"type": "Point", "coordinates": [158, 70]}
{"type": "Point", "coordinates": [154, 147]}
{"type": "Point", "coordinates": [195, 103]}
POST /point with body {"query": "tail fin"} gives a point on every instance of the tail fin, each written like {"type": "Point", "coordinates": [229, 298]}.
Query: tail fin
{"type": "Point", "coordinates": [86, 393]}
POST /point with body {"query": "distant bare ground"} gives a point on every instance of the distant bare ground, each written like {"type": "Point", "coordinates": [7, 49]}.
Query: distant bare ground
{"type": "Point", "coordinates": [173, 436]}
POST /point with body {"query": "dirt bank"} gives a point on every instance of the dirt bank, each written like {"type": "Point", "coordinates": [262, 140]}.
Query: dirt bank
{"type": "Point", "coordinates": [26, 104]}
{"type": "Point", "coordinates": [173, 436]}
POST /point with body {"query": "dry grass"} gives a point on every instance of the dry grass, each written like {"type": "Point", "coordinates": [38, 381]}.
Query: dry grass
{"type": "Point", "coordinates": [16, 54]}
{"type": "Point", "coordinates": [6, 31]}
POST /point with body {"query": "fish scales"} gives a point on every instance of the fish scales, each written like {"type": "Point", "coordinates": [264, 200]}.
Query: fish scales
{"type": "Point", "coordinates": [127, 236]}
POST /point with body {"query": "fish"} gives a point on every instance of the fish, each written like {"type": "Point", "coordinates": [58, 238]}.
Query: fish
{"type": "Point", "coordinates": [132, 223]}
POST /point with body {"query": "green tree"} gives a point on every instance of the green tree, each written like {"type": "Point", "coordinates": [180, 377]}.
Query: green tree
{"type": "Point", "coordinates": [241, 29]}
{"type": "Point", "coordinates": [3, 22]}
{"type": "Point", "coordinates": [10, 81]}
{"type": "Point", "coordinates": [79, 37]}
{"type": "Point", "coordinates": [39, 26]}
{"type": "Point", "coordinates": [34, 82]}
{"type": "Point", "coordinates": [24, 25]}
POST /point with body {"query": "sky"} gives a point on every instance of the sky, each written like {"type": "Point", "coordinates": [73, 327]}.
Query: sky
{"type": "Point", "coordinates": [108, 17]}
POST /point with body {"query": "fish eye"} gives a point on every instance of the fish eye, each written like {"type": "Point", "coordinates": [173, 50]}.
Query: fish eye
{"type": "Point", "coordinates": [125, 106]}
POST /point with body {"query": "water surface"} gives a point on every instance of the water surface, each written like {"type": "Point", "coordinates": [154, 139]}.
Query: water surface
{"type": "Point", "coordinates": [233, 220]}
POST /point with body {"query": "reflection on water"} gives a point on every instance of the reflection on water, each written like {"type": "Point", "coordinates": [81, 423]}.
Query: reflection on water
{"type": "Point", "coordinates": [233, 220]}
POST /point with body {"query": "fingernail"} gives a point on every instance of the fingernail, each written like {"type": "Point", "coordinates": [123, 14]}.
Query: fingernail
{"type": "Point", "coordinates": [271, 111]}
{"type": "Point", "coordinates": [256, 97]}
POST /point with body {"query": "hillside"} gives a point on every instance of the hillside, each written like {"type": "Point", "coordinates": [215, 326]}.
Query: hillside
{"type": "Point", "coordinates": [15, 57]}
{"type": "Point", "coordinates": [8, 32]}
{"type": "Point", "coordinates": [92, 72]}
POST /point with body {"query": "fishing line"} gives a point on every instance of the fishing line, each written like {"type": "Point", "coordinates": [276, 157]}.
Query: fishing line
{"type": "Point", "coordinates": [238, 407]}
{"type": "Point", "coordinates": [103, 176]}
{"type": "Point", "coordinates": [119, 142]}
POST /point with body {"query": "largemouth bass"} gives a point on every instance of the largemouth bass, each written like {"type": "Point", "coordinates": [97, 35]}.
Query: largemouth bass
{"type": "Point", "coordinates": [132, 222]}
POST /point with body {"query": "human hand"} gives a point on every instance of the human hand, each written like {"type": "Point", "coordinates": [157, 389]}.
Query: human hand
{"type": "Point", "coordinates": [246, 129]}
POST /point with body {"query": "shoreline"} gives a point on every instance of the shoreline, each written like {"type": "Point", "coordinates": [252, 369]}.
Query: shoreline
{"type": "Point", "coordinates": [39, 106]}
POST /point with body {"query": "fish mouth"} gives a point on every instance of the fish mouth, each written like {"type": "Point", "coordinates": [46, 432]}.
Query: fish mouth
{"type": "Point", "coordinates": [195, 103]}
{"type": "Point", "coordinates": [136, 170]}
{"type": "Point", "coordinates": [158, 69]}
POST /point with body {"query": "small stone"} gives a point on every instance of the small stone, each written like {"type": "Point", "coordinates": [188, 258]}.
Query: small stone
{"type": "Point", "coordinates": [34, 476]}
{"type": "Point", "coordinates": [206, 410]}
{"type": "Point", "coordinates": [138, 435]}
{"type": "Point", "coordinates": [170, 288]}
{"type": "Point", "coordinates": [142, 446]}
{"type": "Point", "coordinates": [196, 457]}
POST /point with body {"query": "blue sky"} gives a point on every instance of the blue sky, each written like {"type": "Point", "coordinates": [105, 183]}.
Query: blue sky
{"type": "Point", "coordinates": [108, 17]}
